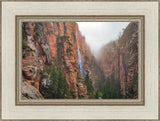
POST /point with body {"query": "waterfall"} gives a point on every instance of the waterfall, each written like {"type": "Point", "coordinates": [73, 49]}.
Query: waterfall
{"type": "Point", "coordinates": [79, 58]}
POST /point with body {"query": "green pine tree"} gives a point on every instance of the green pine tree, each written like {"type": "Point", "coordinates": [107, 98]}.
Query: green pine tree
{"type": "Point", "coordinates": [62, 90]}
{"type": "Point", "coordinates": [98, 94]}
{"type": "Point", "coordinates": [88, 83]}
{"type": "Point", "coordinates": [58, 87]}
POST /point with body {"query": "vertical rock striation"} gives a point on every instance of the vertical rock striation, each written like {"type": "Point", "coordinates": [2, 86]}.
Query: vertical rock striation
{"type": "Point", "coordinates": [48, 41]}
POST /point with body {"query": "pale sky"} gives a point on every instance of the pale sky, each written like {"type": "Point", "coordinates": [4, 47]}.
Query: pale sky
{"type": "Point", "coordinates": [98, 34]}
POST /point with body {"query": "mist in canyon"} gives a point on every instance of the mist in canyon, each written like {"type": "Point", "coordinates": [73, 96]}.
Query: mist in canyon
{"type": "Point", "coordinates": [98, 34]}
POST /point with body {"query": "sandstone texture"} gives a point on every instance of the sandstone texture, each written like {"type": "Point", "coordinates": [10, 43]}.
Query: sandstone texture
{"type": "Point", "coordinates": [30, 92]}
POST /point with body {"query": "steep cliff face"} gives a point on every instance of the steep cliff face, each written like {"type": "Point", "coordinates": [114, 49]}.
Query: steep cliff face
{"type": "Point", "coordinates": [46, 41]}
{"type": "Point", "coordinates": [120, 57]}
{"type": "Point", "coordinates": [31, 63]}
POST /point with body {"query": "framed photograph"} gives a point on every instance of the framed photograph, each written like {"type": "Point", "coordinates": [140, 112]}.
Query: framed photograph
{"type": "Point", "coordinates": [79, 60]}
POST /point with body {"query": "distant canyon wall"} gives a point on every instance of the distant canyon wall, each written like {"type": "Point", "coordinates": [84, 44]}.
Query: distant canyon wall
{"type": "Point", "coordinates": [120, 57]}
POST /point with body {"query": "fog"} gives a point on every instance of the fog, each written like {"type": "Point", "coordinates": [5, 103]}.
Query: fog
{"type": "Point", "coordinates": [98, 34]}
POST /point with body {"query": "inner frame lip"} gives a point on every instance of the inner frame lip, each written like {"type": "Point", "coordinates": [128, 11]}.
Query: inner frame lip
{"type": "Point", "coordinates": [82, 18]}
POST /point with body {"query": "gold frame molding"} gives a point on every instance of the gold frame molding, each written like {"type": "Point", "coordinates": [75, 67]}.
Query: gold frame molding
{"type": "Point", "coordinates": [72, 102]}
{"type": "Point", "coordinates": [74, 1]}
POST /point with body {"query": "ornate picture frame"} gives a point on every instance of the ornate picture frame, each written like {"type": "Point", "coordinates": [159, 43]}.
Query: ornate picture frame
{"type": "Point", "coordinates": [139, 101]}
{"type": "Point", "coordinates": [144, 16]}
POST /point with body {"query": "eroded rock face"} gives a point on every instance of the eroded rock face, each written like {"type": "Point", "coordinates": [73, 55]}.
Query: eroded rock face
{"type": "Point", "coordinates": [49, 41]}
{"type": "Point", "coordinates": [31, 69]}
{"type": "Point", "coordinates": [34, 54]}
{"type": "Point", "coordinates": [82, 90]}
{"type": "Point", "coordinates": [30, 92]}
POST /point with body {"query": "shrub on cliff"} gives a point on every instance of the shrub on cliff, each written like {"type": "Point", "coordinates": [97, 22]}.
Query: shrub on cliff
{"type": "Point", "coordinates": [25, 47]}
{"type": "Point", "coordinates": [24, 34]}
{"type": "Point", "coordinates": [98, 94]}
{"type": "Point", "coordinates": [38, 30]}
{"type": "Point", "coordinates": [63, 37]}
{"type": "Point", "coordinates": [78, 74]}
{"type": "Point", "coordinates": [68, 50]}
{"type": "Point", "coordinates": [88, 83]}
